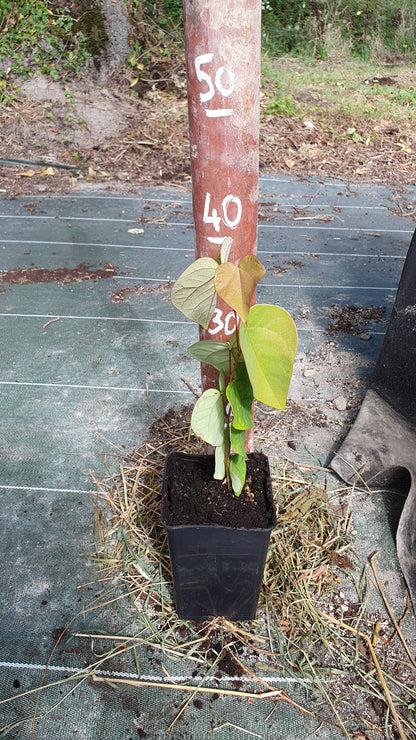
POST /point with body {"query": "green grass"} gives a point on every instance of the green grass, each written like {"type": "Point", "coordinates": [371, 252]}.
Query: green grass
{"type": "Point", "coordinates": [348, 88]}
{"type": "Point", "coordinates": [37, 38]}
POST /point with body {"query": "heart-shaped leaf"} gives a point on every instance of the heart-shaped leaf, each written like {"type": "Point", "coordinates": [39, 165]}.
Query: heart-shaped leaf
{"type": "Point", "coordinates": [238, 471]}
{"type": "Point", "coordinates": [194, 291]}
{"type": "Point", "coordinates": [268, 342]}
{"type": "Point", "coordinates": [240, 395]}
{"type": "Point", "coordinates": [236, 285]}
{"type": "Point", "coordinates": [225, 249]}
{"type": "Point", "coordinates": [207, 420]}
{"type": "Point", "coordinates": [238, 438]}
{"type": "Point", "coordinates": [213, 352]}
{"type": "Point", "coordinates": [219, 473]}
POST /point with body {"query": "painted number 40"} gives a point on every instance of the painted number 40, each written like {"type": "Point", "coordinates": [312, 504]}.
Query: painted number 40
{"type": "Point", "coordinates": [231, 214]}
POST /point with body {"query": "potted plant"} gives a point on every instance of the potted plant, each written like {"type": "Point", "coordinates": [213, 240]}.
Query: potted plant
{"type": "Point", "coordinates": [218, 508]}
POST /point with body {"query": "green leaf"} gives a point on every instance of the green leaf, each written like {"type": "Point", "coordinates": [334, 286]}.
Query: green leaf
{"type": "Point", "coordinates": [268, 342]}
{"type": "Point", "coordinates": [219, 473]}
{"type": "Point", "coordinates": [207, 420]}
{"type": "Point", "coordinates": [240, 395]}
{"type": "Point", "coordinates": [213, 352]}
{"type": "Point", "coordinates": [238, 438]}
{"type": "Point", "coordinates": [236, 285]}
{"type": "Point", "coordinates": [194, 291]}
{"type": "Point", "coordinates": [234, 346]}
{"type": "Point", "coordinates": [238, 471]}
{"type": "Point", "coordinates": [222, 384]}
{"type": "Point", "coordinates": [225, 249]}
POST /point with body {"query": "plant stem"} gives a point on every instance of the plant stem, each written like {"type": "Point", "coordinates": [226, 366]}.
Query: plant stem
{"type": "Point", "coordinates": [227, 439]}
{"type": "Point", "coordinates": [236, 333]}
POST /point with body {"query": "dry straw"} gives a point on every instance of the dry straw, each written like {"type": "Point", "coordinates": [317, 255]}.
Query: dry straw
{"type": "Point", "coordinates": [334, 654]}
{"type": "Point", "coordinates": [359, 679]}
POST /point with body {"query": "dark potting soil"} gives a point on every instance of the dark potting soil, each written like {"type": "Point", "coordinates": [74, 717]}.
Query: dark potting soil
{"type": "Point", "coordinates": [192, 495]}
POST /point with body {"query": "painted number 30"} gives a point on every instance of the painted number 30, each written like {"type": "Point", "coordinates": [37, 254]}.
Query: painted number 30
{"type": "Point", "coordinates": [226, 325]}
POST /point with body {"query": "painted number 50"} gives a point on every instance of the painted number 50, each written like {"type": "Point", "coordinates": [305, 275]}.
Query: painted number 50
{"type": "Point", "coordinates": [223, 83]}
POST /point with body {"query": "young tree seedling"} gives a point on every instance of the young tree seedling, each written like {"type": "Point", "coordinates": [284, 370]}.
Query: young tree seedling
{"type": "Point", "coordinates": [255, 363]}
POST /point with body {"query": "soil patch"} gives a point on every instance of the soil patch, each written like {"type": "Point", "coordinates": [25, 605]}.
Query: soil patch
{"type": "Point", "coordinates": [279, 270]}
{"type": "Point", "coordinates": [124, 293]}
{"type": "Point", "coordinates": [193, 496]}
{"type": "Point", "coordinates": [380, 81]}
{"type": "Point", "coordinates": [82, 133]}
{"type": "Point", "coordinates": [352, 319]}
{"type": "Point", "coordinates": [31, 275]}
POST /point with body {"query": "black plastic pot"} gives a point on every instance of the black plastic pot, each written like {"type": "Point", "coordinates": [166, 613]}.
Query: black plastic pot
{"type": "Point", "coordinates": [217, 570]}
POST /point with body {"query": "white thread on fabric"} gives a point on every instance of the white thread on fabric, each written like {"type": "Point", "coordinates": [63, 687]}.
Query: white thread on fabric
{"type": "Point", "coordinates": [156, 679]}
{"type": "Point", "coordinates": [94, 387]}
{"type": "Point", "coordinates": [43, 488]}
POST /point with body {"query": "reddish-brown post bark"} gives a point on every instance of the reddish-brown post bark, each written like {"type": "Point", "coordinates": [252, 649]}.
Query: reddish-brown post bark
{"type": "Point", "coordinates": [222, 40]}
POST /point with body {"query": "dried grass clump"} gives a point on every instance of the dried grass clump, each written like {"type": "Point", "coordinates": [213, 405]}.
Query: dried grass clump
{"type": "Point", "coordinates": [307, 548]}
{"type": "Point", "coordinates": [131, 543]}
{"type": "Point", "coordinates": [302, 631]}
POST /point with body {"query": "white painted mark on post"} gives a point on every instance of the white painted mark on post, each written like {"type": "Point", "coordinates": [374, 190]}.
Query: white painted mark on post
{"type": "Point", "coordinates": [219, 113]}
{"type": "Point", "coordinates": [231, 222]}
{"type": "Point", "coordinates": [224, 89]}
{"type": "Point", "coordinates": [227, 217]}
{"type": "Point", "coordinates": [212, 218]}
{"type": "Point", "coordinates": [204, 77]}
{"type": "Point", "coordinates": [215, 239]}
{"type": "Point", "coordinates": [227, 324]}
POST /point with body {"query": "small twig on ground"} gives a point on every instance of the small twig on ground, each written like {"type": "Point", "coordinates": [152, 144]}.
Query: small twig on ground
{"type": "Point", "coordinates": [197, 689]}
{"type": "Point", "coordinates": [390, 612]}
{"type": "Point", "coordinates": [196, 393]}
{"type": "Point", "coordinates": [387, 694]}
{"type": "Point", "coordinates": [51, 321]}
{"type": "Point", "coordinates": [236, 727]}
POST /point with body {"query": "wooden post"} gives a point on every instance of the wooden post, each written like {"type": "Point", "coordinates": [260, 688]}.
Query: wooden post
{"type": "Point", "coordinates": [222, 43]}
